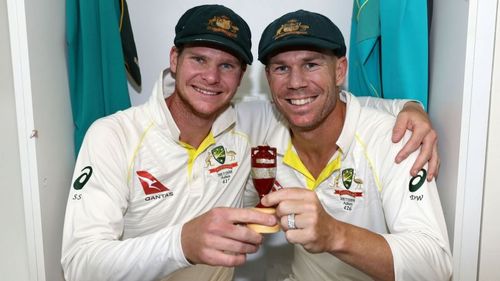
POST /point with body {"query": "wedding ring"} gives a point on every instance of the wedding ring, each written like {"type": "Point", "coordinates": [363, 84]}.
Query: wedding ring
{"type": "Point", "coordinates": [291, 221]}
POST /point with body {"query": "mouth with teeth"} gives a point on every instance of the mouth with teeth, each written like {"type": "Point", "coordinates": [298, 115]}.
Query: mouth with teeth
{"type": "Point", "coordinates": [206, 92]}
{"type": "Point", "coordinates": [303, 101]}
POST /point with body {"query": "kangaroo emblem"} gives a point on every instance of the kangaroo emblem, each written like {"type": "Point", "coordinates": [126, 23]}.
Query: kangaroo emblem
{"type": "Point", "coordinates": [231, 154]}
{"type": "Point", "coordinates": [208, 161]}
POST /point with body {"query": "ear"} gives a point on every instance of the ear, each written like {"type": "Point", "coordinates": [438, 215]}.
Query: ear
{"type": "Point", "coordinates": [174, 56]}
{"type": "Point", "coordinates": [268, 77]}
{"type": "Point", "coordinates": [266, 69]}
{"type": "Point", "coordinates": [341, 70]}
{"type": "Point", "coordinates": [243, 70]}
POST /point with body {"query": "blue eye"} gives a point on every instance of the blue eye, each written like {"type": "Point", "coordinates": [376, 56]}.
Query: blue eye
{"type": "Point", "coordinates": [311, 65]}
{"type": "Point", "coordinates": [227, 66]}
{"type": "Point", "coordinates": [280, 69]}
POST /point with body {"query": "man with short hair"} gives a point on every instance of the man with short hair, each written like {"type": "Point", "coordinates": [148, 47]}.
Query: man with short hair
{"type": "Point", "coordinates": [158, 188]}
{"type": "Point", "coordinates": [352, 213]}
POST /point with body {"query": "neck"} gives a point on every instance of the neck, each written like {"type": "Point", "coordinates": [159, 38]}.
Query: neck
{"type": "Point", "coordinates": [316, 146]}
{"type": "Point", "coordinates": [193, 128]}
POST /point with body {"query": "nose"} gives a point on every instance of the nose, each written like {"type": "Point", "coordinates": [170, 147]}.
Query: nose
{"type": "Point", "coordinates": [211, 74]}
{"type": "Point", "coordinates": [296, 79]}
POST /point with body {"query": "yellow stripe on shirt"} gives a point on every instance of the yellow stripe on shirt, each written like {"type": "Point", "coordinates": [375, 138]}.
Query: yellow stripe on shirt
{"type": "Point", "coordinates": [193, 152]}
{"type": "Point", "coordinates": [292, 159]}
{"type": "Point", "coordinates": [370, 162]}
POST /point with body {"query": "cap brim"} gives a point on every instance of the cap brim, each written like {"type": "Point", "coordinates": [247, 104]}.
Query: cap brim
{"type": "Point", "coordinates": [299, 42]}
{"type": "Point", "coordinates": [222, 42]}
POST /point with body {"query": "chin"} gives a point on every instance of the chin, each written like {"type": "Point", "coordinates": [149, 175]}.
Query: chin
{"type": "Point", "coordinates": [210, 112]}
{"type": "Point", "coordinates": [303, 125]}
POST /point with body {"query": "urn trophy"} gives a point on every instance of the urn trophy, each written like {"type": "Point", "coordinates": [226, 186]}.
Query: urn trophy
{"type": "Point", "coordinates": [263, 174]}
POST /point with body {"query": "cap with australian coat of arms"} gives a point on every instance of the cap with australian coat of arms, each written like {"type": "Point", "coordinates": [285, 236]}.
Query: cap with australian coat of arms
{"type": "Point", "coordinates": [301, 29]}
{"type": "Point", "coordinates": [215, 25]}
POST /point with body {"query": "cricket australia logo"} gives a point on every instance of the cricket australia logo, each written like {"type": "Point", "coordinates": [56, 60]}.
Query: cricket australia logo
{"type": "Point", "coordinates": [219, 154]}
{"type": "Point", "coordinates": [347, 175]}
{"type": "Point", "coordinates": [349, 191]}
{"type": "Point", "coordinates": [223, 169]}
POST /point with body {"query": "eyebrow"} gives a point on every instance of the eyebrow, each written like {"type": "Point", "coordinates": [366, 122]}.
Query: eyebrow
{"type": "Point", "coordinates": [306, 58]}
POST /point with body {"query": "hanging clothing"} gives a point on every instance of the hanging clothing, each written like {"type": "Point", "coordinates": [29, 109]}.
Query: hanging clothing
{"type": "Point", "coordinates": [430, 5]}
{"type": "Point", "coordinates": [96, 72]}
{"type": "Point", "coordinates": [128, 44]}
{"type": "Point", "coordinates": [389, 49]}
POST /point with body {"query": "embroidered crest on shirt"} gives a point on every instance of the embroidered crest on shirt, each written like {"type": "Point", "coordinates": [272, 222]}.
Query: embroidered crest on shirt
{"type": "Point", "coordinates": [225, 162]}
{"type": "Point", "coordinates": [351, 188]}
{"type": "Point", "coordinates": [347, 177]}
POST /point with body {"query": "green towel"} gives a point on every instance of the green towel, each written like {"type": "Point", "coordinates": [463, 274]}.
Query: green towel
{"type": "Point", "coordinates": [389, 49]}
{"type": "Point", "coordinates": [96, 68]}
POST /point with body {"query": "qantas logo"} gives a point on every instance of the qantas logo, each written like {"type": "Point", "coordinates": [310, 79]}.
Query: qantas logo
{"type": "Point", "coordinates": [150, 184]}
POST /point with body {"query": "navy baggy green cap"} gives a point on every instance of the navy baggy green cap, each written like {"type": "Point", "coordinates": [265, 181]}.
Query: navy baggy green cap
{"type": "Point", "coordinates": [301, 29]}
{"type": "Point", "coordinates": [215, 25]}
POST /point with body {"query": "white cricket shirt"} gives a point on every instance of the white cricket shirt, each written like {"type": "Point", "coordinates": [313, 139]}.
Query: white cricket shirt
{"type": "Point", "coordinates": [135, 185]}
{"type": "Point", "coordinates": [363, 186]}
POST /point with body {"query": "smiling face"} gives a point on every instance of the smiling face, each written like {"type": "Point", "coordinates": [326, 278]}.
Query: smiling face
{"type": "Point", "coordinates": [305, 85]}
{"type": "Point", "coordinates": [206, 79]}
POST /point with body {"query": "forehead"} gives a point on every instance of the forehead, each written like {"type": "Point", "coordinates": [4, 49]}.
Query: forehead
{"type": "Point", "coordinates": [210, 51]}
{"type": "Point", "coordinates": [293, 55]}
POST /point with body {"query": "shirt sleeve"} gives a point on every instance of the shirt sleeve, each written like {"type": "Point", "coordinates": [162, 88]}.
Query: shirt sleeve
{"type": "Point", "coordinates": [93, 248]}
{"type": "Point", "coordinates": [418, 237]}
{"type": "Point", "coordinates": [257, 119]}
{"type": "Point", "coordinates": [391, 106]}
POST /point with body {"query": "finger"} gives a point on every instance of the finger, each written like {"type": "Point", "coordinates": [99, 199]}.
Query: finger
{"type": "Point", "coordinates": [437, 169]}
{"type": "Point", "coordinates": [412, 145]}
{"type": "Point", "coordinates": [432, 169]}
{"type": "Point", "coordinates": [297, 207]}
{"type": "Point", "coordinates": [296, 236]}
{"type": "Point", "coordinates": [422, 158]}
{"type": "Point", "coordinates": [224, 222]}
{"type": "Point", "coordinates": [433, 164]}
{"type": "Point", "coordinates": [248, 215]}
{"type": "Point", "coordinates": [276, 197]}
{"type": "Point", "coordinates": [284, 223]}
{"type": "Point", "coordinates": [399, 128]}
{"type": "Point", "coordinates": [236, 246]}
{"type": "Point", "coordinates": [243, 234]}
